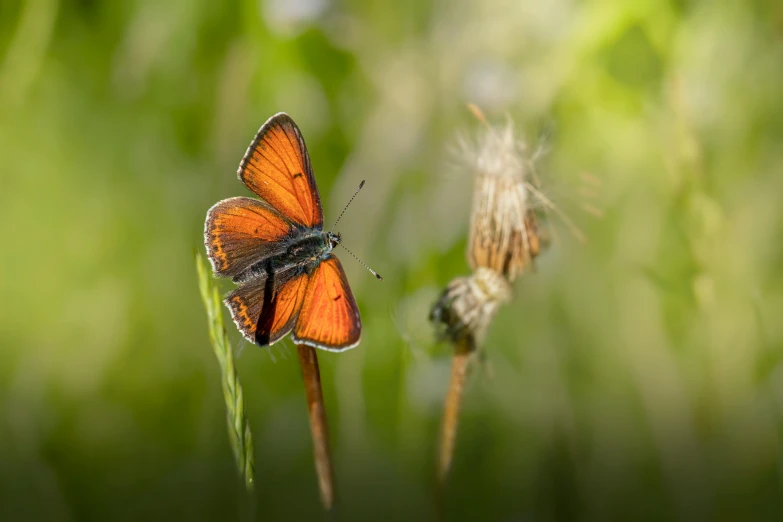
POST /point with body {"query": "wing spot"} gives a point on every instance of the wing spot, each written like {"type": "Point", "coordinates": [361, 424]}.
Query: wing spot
{"type": "Point", "coordinates": [338, 297]}
{"type": "Point", "coordinates": [298, 175]}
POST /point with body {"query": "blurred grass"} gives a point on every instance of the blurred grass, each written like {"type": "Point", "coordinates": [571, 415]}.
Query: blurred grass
{"type": "Point", "coordinates": [638, 376]}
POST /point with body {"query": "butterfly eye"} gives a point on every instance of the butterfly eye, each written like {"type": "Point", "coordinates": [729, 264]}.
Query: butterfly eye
{"type": "Point", "coordinates": [335, 239]}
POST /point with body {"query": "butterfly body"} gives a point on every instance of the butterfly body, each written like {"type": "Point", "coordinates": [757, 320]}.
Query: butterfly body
{"type": "Point", "coordinates": [303, 253]}
{"type": "Point", "coordinates": [275, 249]}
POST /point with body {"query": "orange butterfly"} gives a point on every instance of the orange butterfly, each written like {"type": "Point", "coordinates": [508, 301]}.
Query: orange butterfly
{"type": "Point", "coordinates": [276, 251]}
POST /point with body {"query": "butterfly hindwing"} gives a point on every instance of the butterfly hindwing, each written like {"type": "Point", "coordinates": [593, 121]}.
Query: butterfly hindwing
{"type": "Point", "coordinates": [245, 304]}
{"type": "Point", "coordinates": [240, 232]}
{"type": "Point", "coordinates": [280, 314]}
{"type": "Point", "coordinates": [265, 308]}
{"type": "Point", "coordinates": [329, 317]}
{"type": "Point", "coordinates": [277, 167]}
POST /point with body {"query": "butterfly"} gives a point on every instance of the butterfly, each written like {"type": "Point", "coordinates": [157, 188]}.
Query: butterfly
{"type": "Point", "coordinates": [275, 249]}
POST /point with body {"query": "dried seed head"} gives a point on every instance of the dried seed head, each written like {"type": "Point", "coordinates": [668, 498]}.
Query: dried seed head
{"type": "Point", "coordinates": [503, 231]}
{"type": "Point", "coordinates": [503, 239]}
{"type": "Point", "coordinates": [468, 305]}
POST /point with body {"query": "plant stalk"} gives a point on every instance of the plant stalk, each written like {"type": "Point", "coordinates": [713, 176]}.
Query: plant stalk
{"type": "Point", "coordinates": [451, 410]}
{"type": "Point", "coordinates": [319, 426]}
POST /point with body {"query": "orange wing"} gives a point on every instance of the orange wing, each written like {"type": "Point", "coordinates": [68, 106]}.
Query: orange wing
{"type": "Point", "coordinates": [330, 317]}
{"type": "Point", "coordinates": [265, 311]}
{"type": "Point", "coordinates": [277, 167]}
{"type": "Point", "coordinates": [241, 231]}
{"type": "Point", "coordinates": [278, 318]}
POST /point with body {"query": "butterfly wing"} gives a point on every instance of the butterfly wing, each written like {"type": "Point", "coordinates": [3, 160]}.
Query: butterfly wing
{"type": "Point", "coordinates": [245, 304]}
{"type": "Point", "coordinates": [280, 314]}
{"type": "Point", "coordinates": [329, 318]}
{"type": "Point", "coordinates": [265, 308]}
{"type": "Point", "coordinates": [239, 232]}
{"type": "Point", "coordinates": [277, 167]}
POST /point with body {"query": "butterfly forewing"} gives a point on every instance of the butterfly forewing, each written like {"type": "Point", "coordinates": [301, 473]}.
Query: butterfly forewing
{"type": "Point", "coordinates": [241, 231]}
{"type": "Point", "coordinates": [277, 167]}
{"type": "Point", "coordinates": [329, 318]}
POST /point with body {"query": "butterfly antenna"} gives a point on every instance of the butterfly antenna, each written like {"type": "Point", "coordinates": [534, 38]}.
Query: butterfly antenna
{"type": "Point", "coordinates": [346, 208]}
{"type": "Point", "coordinates": [373, 272]}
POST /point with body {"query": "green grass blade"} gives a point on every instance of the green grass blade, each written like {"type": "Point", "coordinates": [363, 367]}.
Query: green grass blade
{"type": "Point", "coordinates": [238, 427]}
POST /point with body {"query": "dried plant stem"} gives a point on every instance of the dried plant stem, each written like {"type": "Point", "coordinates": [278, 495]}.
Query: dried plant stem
{"type": "Point", "coordinates": [448, 434]}
{"type": "Point", "coordinates": [319, 426]}
{"type": "Point", "coordinates": [238, 427]}
{"type": "Point", "coordinates": [503, 241]}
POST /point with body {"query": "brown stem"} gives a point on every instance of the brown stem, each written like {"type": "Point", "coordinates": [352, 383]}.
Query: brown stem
{"type": "Point", "coordinates": [448, 433]}
{"type": "Point", "coordinates": [319, 427]}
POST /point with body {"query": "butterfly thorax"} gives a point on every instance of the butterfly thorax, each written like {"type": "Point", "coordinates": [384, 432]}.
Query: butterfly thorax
{"type": "Point", "coordinates": [310, 250]}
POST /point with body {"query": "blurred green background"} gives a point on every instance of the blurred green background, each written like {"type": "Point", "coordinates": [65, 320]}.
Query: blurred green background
{"type": "Point", "coordinates": [637, 376]}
